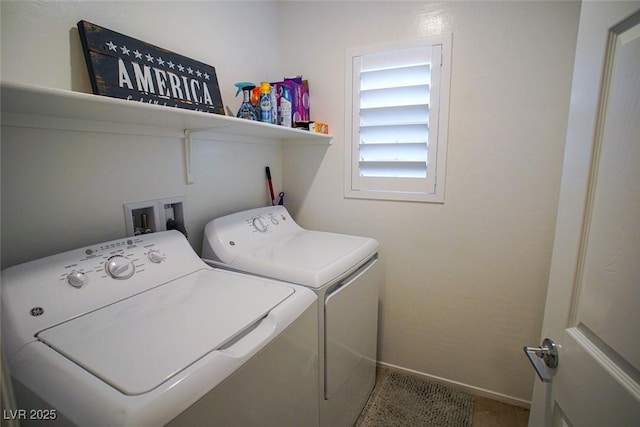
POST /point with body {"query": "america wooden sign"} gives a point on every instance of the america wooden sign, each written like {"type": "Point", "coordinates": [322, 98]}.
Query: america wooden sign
{"type": "Point", "coordinates": [126, 68]}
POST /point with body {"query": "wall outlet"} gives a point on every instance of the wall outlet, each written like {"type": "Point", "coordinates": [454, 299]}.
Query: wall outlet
{"type": "Point", "coordinates": [152, 215]}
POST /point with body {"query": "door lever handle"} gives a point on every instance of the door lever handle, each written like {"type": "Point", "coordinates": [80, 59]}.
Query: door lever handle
{"type": "Point", "coordinates": [542, 358]}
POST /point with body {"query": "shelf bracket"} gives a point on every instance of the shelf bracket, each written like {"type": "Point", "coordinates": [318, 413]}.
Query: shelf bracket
{"type": "Point", "coordinates": [186, 147]}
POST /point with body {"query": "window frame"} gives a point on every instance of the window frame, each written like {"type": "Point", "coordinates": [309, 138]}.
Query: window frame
{"type": "Point", "coordinates": [431, 188]}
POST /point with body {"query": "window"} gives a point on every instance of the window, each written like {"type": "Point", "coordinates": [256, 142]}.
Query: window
{"type": "Point", "coordinates": [396, 124]}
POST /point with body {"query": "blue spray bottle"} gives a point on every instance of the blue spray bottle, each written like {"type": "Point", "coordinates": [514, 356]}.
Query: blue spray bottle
{"type": "Point", "coordinates": [246, 110]}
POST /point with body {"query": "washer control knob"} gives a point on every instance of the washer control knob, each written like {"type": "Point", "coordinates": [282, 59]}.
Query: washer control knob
{"type": "Point", "coordinates": [77, 279]}
{"type": "Point", "coordinates": [119, 267]}
{"type": "Point", "coordinates": [259, 224]}
{"type": "Point", "coordinates": [155, 256]}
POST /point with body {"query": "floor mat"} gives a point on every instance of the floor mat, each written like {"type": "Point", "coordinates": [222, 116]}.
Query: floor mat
{"type": "Point", "coordinates": [400, 399]}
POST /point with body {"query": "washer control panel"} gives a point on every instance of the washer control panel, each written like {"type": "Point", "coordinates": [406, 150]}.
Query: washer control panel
{"type": "Point", "coordinates": [51, 290]}
{"type": "Point", "coordinates": [118, 260]}
{"type": "Point", "coordinates": [46, 292]}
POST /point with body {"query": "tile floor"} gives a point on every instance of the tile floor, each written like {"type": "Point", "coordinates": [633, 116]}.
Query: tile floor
{"type": "Point", "coordinates": [492, 413]}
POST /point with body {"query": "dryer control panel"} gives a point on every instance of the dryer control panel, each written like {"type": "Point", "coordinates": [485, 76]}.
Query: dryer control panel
{"type": "Point", "coordinates": [269, 221]}
{"type": "Point", "coordinates": [246, 231]}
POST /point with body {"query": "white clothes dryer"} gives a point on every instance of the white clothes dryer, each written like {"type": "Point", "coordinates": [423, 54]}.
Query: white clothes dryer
{"type": "Point", "coordinates": [341, 269]}
{"type": "Point", "coordinates": [140, 332]}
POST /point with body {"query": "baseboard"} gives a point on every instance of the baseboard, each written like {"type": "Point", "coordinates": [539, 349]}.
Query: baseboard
{"type": "Point", "coordinates": [476, 391]}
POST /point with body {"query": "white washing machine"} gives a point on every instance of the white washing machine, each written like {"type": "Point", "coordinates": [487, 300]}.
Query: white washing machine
{"type": "Point", "coordinates": [140, 332]}
{"type": "Point", "coordinates": [341, 269]}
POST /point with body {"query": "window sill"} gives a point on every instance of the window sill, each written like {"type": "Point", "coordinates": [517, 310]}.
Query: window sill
{"type": "Point", "coordinates": [395, 196]}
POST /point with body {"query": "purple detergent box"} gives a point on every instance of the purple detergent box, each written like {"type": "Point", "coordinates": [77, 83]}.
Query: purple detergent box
{"type": "Point", "coordinates": [299, 90]}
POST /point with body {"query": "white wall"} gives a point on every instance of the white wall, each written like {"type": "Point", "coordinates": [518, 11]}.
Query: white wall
{"type": "Point", "coordinates": [465, 281]}
{"type": "Point", "coordinates": [62, 190]}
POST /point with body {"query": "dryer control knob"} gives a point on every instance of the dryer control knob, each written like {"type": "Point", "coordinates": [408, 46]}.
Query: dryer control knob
{"type": "Point", "coordinates": [119, 267]}
{"type": "Point", "coordinates": [77, 279]}
{"type": "Point", "coordinates": [155, 256]}
{"type": "Point", "coordinates": [259, 224]}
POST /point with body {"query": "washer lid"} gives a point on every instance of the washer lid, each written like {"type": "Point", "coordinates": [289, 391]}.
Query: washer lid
{"type": "Point", "coordinates": [309, 258]}
{"type": "Point", "coordinates": [140, 342]}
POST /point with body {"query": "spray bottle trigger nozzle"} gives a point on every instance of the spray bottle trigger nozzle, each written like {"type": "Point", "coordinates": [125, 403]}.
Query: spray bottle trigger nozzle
{"type": "Point", "coordinates": [241, 85]}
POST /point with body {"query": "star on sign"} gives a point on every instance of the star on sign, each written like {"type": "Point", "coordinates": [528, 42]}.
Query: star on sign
{"type": "Point", "coordinates": [160, 61]}
{"type": "Point", "coordinates": [125, 51]}
{"type": "Point", "coordinates": [206, 76]}
{"type": "Point", "coordinates": [171, 65]}
{"type": "Point", "coordinates": [149, 58]}
{"type": "Point", "coordinates": [180, 68]}
{"type": "Point", "coordinates": [112, 46]}
{"type": "Point", "coordinates": [137, 54]}
{"type": "Point", "coordinates": [199, 73]}
{"type": "Point", "coordinates": [190, 70]}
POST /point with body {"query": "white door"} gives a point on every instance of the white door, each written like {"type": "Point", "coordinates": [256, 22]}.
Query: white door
{"type": "Point", "coordinates": [593, 300]}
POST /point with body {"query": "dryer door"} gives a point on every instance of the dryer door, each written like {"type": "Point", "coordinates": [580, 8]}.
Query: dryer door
{"type": "Point", "coordinates": [308, 258]}
{"type": "Point", "coordinates": [351, 329]}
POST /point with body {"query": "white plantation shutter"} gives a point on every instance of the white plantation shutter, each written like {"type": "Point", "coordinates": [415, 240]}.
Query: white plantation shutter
{"type": "Point", "coordinates": [394, 113]}
{"type": "Point", "coordinates": [395, 122]}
